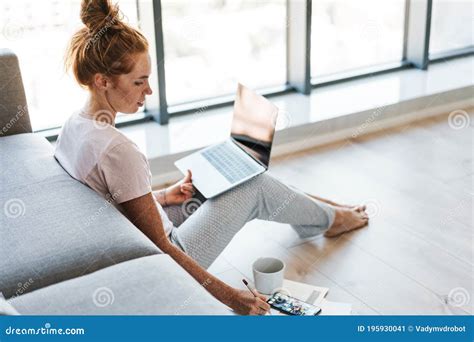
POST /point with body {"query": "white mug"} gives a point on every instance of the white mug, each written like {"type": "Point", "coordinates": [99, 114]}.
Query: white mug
{"type": "Point", "coordinates": [268, 274]}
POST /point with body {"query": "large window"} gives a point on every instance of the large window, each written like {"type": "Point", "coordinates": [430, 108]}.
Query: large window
{"type": "Point", "coordinates": [38, 32]}
{"type": "Point", "coordinates": [347, 35]}
{"type": "Point", "coordinates": [452, 25]}
{"type": "Point", "coordinates": [211, 44]}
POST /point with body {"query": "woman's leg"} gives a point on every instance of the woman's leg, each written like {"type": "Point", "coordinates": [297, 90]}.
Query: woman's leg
{"type": "Point", "coordinates": [206, 233]}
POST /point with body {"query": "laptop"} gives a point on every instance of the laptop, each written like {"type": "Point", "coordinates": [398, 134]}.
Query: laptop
{"type": "Point", "coordinates": [244, 155]}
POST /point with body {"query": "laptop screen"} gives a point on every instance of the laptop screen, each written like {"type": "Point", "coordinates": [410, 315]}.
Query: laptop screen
{"type": "Point", "coordinates": [253, 124]}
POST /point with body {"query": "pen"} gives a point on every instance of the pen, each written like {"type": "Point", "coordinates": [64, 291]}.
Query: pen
{"type": "Point", "coordinates": [247, 285]}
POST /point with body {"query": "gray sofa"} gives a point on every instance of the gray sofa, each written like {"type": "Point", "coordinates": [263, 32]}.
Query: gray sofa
{"type": "Point", "coordinates": [64, 249]}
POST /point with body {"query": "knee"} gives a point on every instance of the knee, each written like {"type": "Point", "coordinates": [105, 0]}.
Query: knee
{"type": "Point", "coordinates": [262, 186]}
{"type": "Point", "coordinates": [253, 187]}
{"type": "Point", "coordinates": [262, 180]}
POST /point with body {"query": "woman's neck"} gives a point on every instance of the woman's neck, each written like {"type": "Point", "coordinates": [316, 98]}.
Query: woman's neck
{"type": "Point", "coordinates": [99, 109]}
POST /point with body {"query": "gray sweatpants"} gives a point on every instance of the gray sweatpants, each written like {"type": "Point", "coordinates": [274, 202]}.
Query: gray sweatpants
{"type": "Point", "coordinates": [203, 228]}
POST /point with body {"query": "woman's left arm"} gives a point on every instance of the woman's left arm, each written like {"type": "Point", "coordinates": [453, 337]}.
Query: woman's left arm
{"type": "Point", "coordinates": [160, 196]}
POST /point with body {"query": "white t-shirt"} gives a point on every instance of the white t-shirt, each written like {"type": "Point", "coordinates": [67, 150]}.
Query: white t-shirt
{"type": "Point", "coordinates": [100, 156]}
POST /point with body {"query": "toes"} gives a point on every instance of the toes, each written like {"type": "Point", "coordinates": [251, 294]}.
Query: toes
{"type": "Point", "coordinates": [363, 223]}
{"type": "Point", "coordinates": [363, 213]}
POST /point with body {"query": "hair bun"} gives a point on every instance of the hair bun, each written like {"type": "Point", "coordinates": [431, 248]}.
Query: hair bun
{"type": "Point", "coordinates": [97, 14]}
{"type": "Point", "coordinates": [105, 45]}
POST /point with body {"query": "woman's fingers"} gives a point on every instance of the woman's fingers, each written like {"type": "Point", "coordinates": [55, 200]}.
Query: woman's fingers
{"type": "Point", "coordinates": [187, 192]}
{"type": "Point", "coordinates": [262, 301]}
{"type": "Point", "coordinates": [187, 188]}
{"type": "Point", "coordinates": [263, 305]}
{"type": "Point", "coordinates": [259, 295]}
{"type": "Point", "coordinates": [188, 177]}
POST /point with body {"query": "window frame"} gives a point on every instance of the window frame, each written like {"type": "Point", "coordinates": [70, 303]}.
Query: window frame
{"type": "Point", "coordinates": [298, 50]}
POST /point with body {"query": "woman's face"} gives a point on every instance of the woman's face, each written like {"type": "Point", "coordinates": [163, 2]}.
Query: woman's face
{"type": "Point", "coordinates": [127, 93]}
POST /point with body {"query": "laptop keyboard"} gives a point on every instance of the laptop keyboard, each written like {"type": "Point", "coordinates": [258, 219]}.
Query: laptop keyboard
{"type": "Point", "coordinates": [231, 164]}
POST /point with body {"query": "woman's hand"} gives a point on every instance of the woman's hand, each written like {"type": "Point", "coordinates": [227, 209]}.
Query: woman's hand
{"type": "Point", "coordinates": [181, 191]}
{"type": "Point", "coordinates": [245, 303]}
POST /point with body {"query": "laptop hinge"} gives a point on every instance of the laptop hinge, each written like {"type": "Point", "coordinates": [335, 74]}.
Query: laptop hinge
{"type": "Point", "coordinates": [258, 161]}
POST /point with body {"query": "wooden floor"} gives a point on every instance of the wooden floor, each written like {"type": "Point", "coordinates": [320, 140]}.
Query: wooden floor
{"type": "Point", "coordinates": [416, 255]}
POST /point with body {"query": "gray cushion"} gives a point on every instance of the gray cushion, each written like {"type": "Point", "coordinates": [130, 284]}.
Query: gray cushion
{"type": "Point", "coordinates": [26, 159]}
{"type": "Point", "coordinates": [14, 116]}
{"type": "Point", "coordinates": [153, 285]}
{"type": "Point", "coordinates": [6, 309]}
{"type": "Point", "coordinates": [52, 227]}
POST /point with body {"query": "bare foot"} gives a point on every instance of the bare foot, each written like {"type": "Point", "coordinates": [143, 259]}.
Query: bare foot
{"type": "Point", "coordinates": [347, 220]}
{"type": "Point", "coordinates": [359, 208]}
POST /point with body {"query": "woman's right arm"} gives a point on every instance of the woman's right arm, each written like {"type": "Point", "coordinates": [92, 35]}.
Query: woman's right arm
{"type": "Point", "coordinates": [142, 212]}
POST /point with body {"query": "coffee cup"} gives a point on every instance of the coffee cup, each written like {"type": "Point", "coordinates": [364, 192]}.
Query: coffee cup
{"type": "Point", "coordinates": [268, 274]}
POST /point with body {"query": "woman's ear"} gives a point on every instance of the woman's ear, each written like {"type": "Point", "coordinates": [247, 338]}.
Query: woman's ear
{"type": "Point", "coordinates": [101, 81]}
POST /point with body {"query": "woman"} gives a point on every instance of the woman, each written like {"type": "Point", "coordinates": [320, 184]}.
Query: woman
{"type": "Point", "coordinates": [110, 59]}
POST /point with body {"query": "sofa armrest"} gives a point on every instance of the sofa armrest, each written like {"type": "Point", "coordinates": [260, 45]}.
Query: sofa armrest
{"type": "Point", "coordinates": [14, 118]}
